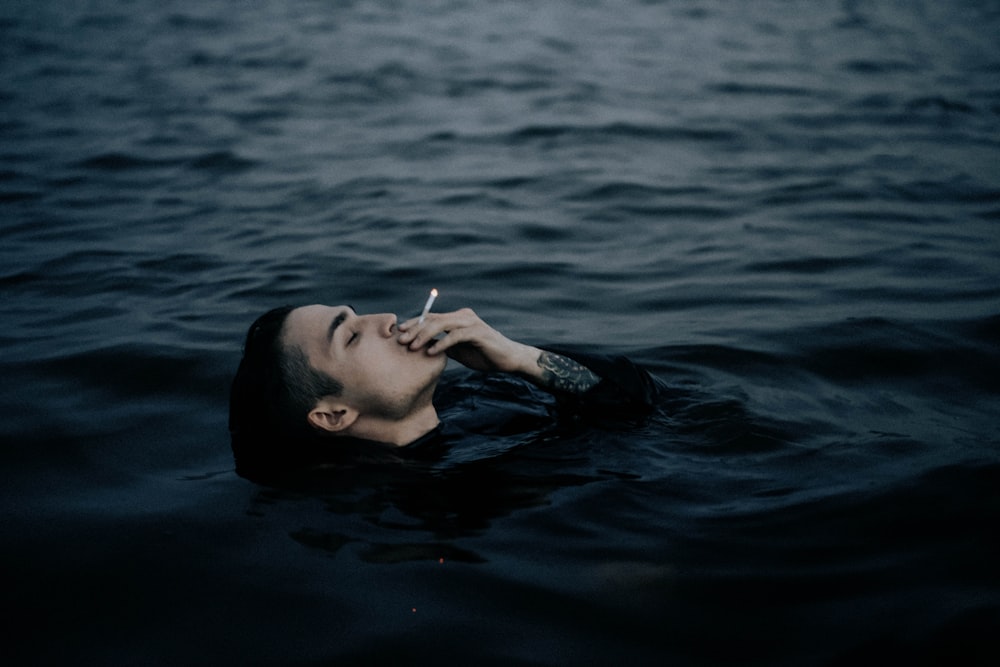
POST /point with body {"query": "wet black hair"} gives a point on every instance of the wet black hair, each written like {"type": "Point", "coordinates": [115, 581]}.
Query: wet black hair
{"type": "Point", "coordinates": [272, 393]}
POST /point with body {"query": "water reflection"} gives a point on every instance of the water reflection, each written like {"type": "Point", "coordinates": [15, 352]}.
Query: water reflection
{"type": "Point", "coordinates": [417, 513]}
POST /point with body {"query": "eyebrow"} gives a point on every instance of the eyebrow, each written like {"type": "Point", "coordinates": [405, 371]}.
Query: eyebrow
{"type": "Point", "coordinates": [337, 321]}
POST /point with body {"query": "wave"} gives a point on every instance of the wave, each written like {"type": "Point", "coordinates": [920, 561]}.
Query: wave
{"type": "Point", "coordinates": [215, 161]}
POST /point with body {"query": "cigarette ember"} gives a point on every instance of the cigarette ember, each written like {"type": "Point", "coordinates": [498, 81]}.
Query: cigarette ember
{"type": "Point", "coordinates": [427, 306]}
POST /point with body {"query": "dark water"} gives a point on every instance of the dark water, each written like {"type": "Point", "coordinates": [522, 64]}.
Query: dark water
{"type": "Point", "coordinates": [790, 211]}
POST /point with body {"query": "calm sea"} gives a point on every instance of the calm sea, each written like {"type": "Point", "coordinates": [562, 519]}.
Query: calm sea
{"type": "Point", "coordinates": [789, 211]}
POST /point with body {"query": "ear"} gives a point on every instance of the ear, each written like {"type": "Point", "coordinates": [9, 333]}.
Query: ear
{"type": "Point", "coordinates": [332, 416]}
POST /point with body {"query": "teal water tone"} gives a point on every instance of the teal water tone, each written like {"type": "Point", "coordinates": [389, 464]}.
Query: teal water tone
{"type": "Point", "coordinates": [788, 212]}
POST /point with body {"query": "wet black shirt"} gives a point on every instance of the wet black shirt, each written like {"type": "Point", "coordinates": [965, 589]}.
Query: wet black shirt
{"type": "Point", "coordinates": [482, 415]}
{"type": "Point", "coordinates": [477, 409]}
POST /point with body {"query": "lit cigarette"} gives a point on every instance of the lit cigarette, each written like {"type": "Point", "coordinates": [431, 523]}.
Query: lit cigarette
{"type": "Point", "coordinates": [427, 306]}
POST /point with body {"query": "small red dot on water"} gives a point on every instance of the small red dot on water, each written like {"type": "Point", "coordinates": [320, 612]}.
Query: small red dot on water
{"type": "Point", "coordinates": [440, 560]}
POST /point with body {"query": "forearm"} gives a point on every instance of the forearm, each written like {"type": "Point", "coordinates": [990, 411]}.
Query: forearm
{"type": "Point", "coordinates": [464, 337]}
{"type": "Point", "coordinates": [555, 372]}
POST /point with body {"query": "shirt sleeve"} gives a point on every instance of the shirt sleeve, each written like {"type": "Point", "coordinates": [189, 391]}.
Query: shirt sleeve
{"type": "Point", "coordinates": [624, 387]}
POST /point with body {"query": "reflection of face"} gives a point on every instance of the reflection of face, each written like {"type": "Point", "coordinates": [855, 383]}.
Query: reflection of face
{"type": "Point", "coordinates": [381, 377]}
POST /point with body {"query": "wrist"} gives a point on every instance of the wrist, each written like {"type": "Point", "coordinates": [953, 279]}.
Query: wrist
{"type": "Point", "coordinates": [528, 356]}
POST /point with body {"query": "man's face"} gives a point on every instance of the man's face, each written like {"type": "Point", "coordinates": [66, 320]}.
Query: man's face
{"type": "Point", "coordinates": [380, 376]}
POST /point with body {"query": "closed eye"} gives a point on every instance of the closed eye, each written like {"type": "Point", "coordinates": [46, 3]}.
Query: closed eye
{"type": "Point", "coordinates": [354, 335]}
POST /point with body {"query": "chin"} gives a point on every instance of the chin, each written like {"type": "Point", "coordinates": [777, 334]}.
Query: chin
{"type": "Point", "coordinates": [439, 368]}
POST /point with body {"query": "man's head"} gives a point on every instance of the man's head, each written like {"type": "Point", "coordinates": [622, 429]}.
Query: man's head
{"type": "Point", "coordinates": [311, 372]}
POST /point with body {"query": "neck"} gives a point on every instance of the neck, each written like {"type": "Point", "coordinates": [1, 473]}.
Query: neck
{"type": "Point", "coordinates": [396, 432]}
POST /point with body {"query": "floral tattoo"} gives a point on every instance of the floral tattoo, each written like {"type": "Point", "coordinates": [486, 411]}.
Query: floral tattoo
{"type": "Point", "coordinates": [564, 374]}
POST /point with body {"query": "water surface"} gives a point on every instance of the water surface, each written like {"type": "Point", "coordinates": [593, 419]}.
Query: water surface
{"type": "Point", "coordinates": [788, 212]}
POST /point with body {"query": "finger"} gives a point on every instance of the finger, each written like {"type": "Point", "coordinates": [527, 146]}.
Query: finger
{"type": "Point", "coordinates": [412, 327]}
{"type": "Point", "coordinates": [415, 322]}
{"type": "Point", "coordinates": [406, 324]}
{"type": "Point", "coordinates": [420, 334]}
{"type": "Point", "coordinates": [449, 338]}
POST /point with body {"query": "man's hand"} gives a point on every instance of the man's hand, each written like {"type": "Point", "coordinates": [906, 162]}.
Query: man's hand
{"type": "Point", "coordinates": [464, 337]}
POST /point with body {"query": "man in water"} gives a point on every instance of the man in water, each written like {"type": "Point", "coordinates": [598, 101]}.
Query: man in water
{"type": "Point", "coordinates": [318, 384]}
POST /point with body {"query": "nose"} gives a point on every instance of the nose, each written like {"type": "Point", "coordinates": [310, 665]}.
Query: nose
{"type": "Point", "coordinates": [384, 324]}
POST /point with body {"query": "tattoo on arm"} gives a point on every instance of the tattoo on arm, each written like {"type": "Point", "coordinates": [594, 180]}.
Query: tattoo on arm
{"type": "Point", "coordinates": [564, 374]}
